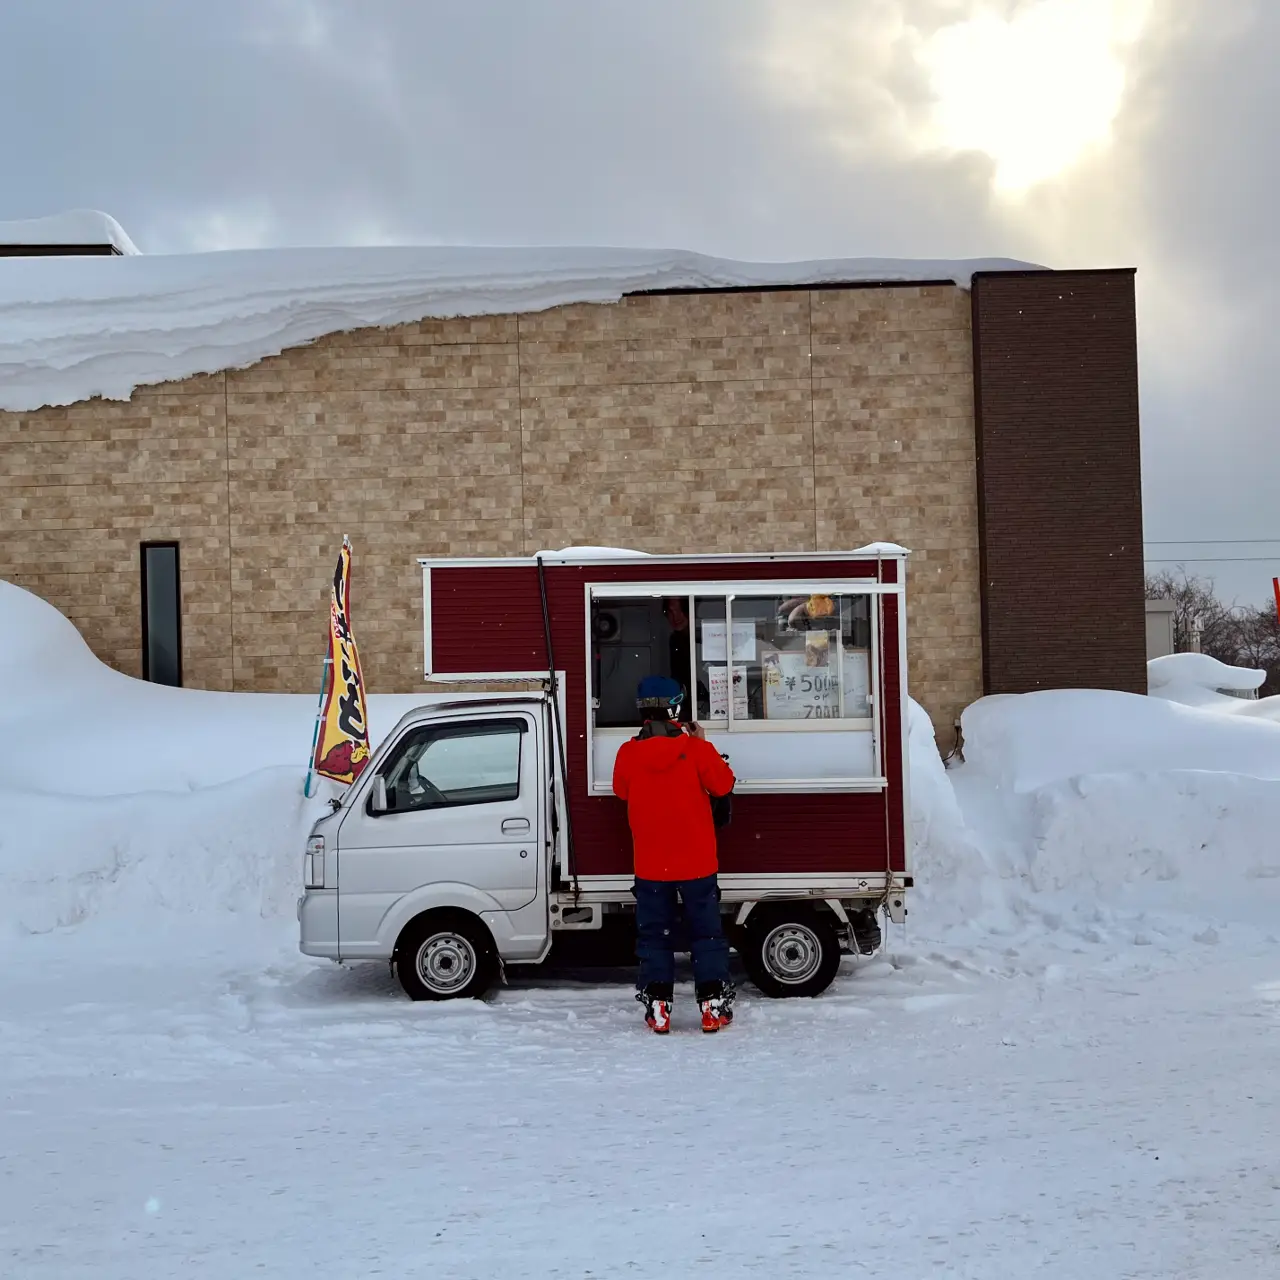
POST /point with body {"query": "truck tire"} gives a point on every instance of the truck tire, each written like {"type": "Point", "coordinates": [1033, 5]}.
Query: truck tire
{"type": "Point", "coordinates": [790, 951]}
{"type": "Point", "coordinates": [445, 955]}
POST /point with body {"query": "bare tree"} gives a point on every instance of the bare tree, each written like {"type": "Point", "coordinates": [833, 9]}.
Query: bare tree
{"type": "Point", "coordinates": [1197, 610]}
{"type": "Point", "coordinates": [1239, 635]}
{"type": "Point", "coordinates": [1259, 645]}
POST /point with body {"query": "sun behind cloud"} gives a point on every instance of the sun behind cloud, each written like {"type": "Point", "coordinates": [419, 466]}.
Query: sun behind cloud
{"type": "Point", "coordinates": [1036, 90]}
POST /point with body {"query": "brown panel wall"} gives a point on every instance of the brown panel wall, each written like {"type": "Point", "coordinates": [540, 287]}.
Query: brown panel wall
{"type": "Point", "coordinates": [82, 485]}
{"type": "Point", "coordinates": [894, 459]}
{"type": "Point", "coordinates": [408, 439]}
{"type": "Point", "coordinates": [1059, 481]}
{"type": "Point", "coordinates": [785, 420]}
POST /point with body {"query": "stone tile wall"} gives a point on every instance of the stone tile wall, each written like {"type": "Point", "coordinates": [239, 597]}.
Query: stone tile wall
{"type": "Point", "coordinates": [787, 420]}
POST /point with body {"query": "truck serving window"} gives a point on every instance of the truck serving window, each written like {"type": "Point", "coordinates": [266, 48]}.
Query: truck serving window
{"type": "Point", "coordinates": [792, 656]}
{"type": "Point", "coordinates": [631, 639]}
{"type": "Point", "coordinates": [782, 675]}
{"type": "Point", "coordinates": [442, 766]}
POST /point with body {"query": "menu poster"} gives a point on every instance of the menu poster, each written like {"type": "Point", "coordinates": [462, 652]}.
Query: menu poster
{"type": "Point", "coordinates": [795, 690]}
{"type": "Point", "coordinates": [744, 641]}
{"type": "Point", "coordinates": [718, 687]}
{"type": "Point", "coordinates": [805, 684]}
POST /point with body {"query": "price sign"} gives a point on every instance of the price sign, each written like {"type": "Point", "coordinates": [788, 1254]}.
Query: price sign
{"type": "Point", "coordinates": [804, 684]}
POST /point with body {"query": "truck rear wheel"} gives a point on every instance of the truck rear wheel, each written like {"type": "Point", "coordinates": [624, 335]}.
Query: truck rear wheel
{"type": "Point", "coordinates": [790, 951]}
{"type": "Point", "coordinates": [446, 955]}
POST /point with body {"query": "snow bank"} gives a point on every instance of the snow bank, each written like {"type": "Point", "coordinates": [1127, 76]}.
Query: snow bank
{"type": "Point", "coordinates": [1076, 814]}
{"type": "Point", "coordinates": [1094, 809]}
{"type": "Point", "coordinates": [1197, 680]}
{"type": "Point", "coordinates": [75, 328]}
{"type": "Point", "coordinates": [121, 796]}
{"type": "Point", "coordinates": [956, 883]}
{"type": "Point", "coordinates": [1200, 671]}
{"type": "Point", "coordinates": [1028, 741]}
{"type": "Point", "coordinates": [87, 730]}
{"type": "Point", "coordinates": [236, 847]}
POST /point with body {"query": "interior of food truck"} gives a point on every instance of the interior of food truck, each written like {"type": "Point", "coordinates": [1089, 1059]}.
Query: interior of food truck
{"type": "Point", "coordinates": [788, 655]}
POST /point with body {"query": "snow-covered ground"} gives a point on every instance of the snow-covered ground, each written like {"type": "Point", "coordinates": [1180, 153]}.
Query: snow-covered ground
{"type": "Point", "coordinates": [1063, 1066]}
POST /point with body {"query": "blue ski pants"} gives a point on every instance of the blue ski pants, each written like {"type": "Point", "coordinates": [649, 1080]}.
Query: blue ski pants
{"type": "Point", "coordinates": [657, 905]}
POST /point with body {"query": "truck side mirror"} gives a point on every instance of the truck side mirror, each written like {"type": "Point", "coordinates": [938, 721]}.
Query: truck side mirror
{"type": "Point", "coordinates": [378, 800]}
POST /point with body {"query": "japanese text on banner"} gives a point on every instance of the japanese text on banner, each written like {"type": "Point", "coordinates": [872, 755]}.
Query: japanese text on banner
{"type": "Point", "coordinates": [342, 749]}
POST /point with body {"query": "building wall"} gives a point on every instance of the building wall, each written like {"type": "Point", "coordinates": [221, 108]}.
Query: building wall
{"type": "Point", "coordinates": [1159, 628]}
{"type": "Point", "coordinates": [766, 420]}
{"type": "Point", "coordinates": [1060, 483]}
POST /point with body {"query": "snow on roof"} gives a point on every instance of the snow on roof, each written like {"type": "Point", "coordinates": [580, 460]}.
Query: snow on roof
{"type": "Point", "coordinates": [71, 329]}
{"type": "Point", "coordinates": [880, 549]}
{"type": "Point", "coordinates": [78, 226]}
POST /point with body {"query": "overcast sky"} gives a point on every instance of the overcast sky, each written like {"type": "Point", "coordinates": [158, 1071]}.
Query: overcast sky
{"type": "Point", "coordinates": [1068, 132]}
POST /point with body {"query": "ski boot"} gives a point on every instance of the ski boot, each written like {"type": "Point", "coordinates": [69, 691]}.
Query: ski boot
{"type": "Point", "coordinates": [656, 999]}
{"type": "Point", "coordinates": [716, 1002]}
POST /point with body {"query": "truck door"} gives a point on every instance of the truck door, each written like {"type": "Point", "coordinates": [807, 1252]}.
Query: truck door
{"type": "Point", "coordinates": [464, 805]}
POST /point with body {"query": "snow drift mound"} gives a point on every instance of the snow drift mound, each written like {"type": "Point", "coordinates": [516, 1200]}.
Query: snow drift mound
{"type": "Point", "coordinates": [231, 848]}
{"type": "Point", "coordinates": [1027, 741]}
{"type": "Point", "coordinates": [1076, 810]}
{"type": "Point", "coordinates": [87, 730]}
{"type": "Point", "coordinates": [957, 882]}
{"type": "Point", "coordinates": [126, 797]}
{"type": "Point", "coordinates": [1197, 680]}
{"type": "Point", "coordinates": [1200, 671]}
{"type": "Point", "coordinates": [1096, 809]}
{"type": "Point", "coordinates": [42, 648]}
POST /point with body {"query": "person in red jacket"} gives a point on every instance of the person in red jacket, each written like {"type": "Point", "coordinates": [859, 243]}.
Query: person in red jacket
{"type": "Point", "coordinates": [667, 775]}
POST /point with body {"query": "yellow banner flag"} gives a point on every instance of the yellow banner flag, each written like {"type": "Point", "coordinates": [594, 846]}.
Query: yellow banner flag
{"type": "Point", "coordinates": [342, 746]}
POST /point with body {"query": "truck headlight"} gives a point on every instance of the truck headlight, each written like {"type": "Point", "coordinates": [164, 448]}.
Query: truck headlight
{"type": "Point", "coordinates": [313, 863]}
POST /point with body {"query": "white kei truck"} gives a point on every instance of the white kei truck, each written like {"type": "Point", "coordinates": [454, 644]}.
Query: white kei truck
{"type": "Point", "coordinates": [484, 833]}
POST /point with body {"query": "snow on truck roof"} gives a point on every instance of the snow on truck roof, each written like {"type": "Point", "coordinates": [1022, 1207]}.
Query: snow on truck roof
{"type": "Point", "coordinates": [593, 555]}
{"type": "Point", "coordinates": [74, 328]}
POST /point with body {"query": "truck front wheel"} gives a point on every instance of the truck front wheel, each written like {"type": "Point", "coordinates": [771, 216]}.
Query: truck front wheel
{"type": "Point", "coordinates": [445, 955]}
{"type": "Point", "coordinates": [790, 951]}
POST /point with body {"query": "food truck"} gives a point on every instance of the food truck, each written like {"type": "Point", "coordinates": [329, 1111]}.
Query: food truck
{"type": "Point", "coordinates": [484, 828]}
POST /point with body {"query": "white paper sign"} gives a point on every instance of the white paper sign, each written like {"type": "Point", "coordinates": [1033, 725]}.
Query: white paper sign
{"type": "Point", "coordinates": [804, 684]}
{"type": "Point", "coordinates": [857, 683]}
{"type": "Point", "coordinates": [718, 687]}
{"type": "Point", "coordinates": [744, 641]}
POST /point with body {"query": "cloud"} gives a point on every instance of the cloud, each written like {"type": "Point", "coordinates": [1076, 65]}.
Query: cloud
{"type": "Point", "coordinates": [560, 122]}
{"type": "Point", "coordinates": [1094, 132]}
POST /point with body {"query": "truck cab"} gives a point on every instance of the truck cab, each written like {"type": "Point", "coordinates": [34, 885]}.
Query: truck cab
{"type": "Point", "coordinates": [450, 825]}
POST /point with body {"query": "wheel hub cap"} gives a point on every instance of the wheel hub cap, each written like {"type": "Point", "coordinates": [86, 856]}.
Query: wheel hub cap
{"type": "Point", "coordinates": [792, 953]}
{"type": "Point", "coordinates": [446, 962]}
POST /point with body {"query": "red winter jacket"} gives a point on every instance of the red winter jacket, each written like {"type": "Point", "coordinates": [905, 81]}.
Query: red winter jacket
{"type": "Point", "coordinates": [665, 781]}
